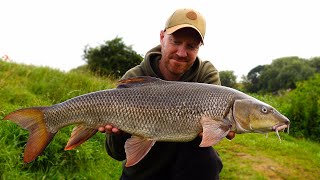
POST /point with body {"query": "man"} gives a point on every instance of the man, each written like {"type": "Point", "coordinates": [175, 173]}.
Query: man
{"type": "Point", "coordinates": [175, 59]}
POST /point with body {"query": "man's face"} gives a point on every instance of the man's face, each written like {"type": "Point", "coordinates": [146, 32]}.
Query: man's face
{"type": "Point", "coordinates": [179, 49]}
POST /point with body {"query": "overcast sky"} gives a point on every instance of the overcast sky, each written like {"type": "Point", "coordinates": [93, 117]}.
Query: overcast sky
{"type": "Point", "coordinates": [240, 34]}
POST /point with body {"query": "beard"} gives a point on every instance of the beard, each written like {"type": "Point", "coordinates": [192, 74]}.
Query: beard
{"type": "Point", "coordinates": [177, 65]}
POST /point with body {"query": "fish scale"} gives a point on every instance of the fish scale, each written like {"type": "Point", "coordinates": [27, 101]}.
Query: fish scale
{"type": "Point", "coordinates": [151, 110]}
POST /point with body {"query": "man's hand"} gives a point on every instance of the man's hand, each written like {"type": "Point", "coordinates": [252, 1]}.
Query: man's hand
{"type": "Point", "coordinates": [109, 129]}
{"type": "Point", "coordinates": [231, 135]}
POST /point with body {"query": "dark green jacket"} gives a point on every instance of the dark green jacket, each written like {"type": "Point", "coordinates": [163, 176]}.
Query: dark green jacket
{"type": "Point", "coordinates": [161, 161]}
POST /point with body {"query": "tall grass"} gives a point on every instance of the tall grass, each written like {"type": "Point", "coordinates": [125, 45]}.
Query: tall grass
{"type": "Point", "coordinates": [247, 156]}
{"type": "Point", "coordinates": [24, 86]}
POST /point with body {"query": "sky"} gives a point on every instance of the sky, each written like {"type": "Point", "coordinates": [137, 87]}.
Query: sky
{"type": "Point", "coordinates": [240, 34]}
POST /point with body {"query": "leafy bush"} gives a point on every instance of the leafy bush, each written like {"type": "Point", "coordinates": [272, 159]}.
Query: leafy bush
{"type": "Point", "coordinates": [111, 58]}
{"type": "Point", "coordinates": [228, 79]}
{"type": "Point", "coordinates": [304, 109]}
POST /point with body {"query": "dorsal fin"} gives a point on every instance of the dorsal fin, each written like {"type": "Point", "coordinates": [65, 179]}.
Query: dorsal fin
{"type": "Point", "coordinates": [139, 81]}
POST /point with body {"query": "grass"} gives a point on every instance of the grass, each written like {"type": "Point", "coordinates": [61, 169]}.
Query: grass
{"type": "Point", "coordinates": [247, 156]}
{"type": "Point", "coordinates": [253, 156]}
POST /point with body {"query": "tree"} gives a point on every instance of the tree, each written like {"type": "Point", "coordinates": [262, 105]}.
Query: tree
{"type": "Point", "coordinates": [228, 78]}
{"type": "Point", "coordinates": [111, 58]}
{"type": "Point", "coordinates": [251, 82]}
{"type": "Point", "coordinates": [315, 63]}
{"type": "Point", "coordinates": [282, 73]}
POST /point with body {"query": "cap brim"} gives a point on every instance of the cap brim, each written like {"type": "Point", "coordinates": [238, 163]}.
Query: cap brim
{"type": "Point", "coordinates": [177, 27]}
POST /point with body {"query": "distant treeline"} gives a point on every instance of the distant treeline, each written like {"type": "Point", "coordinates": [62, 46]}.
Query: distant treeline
{"type": "Point", "coordinates": [282, 74]}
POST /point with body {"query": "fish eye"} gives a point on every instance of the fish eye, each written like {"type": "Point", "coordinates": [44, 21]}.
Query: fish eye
{"type": "Point", "coordinates": [264, 109]}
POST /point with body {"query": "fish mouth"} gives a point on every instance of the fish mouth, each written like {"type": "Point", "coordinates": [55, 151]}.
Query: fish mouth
{"type": "Point", "coordinates": [280, 127]}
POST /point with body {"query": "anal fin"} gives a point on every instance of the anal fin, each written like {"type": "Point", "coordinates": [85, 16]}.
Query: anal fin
{"type": "Point", "coordinates": [137, 148]}
{"type": "Point", "coordinates": [79, 135]}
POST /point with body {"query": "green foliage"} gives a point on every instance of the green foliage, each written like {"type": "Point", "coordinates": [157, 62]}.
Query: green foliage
{"type": "Point", "coordinates": [251, 81]}
{"type": "Point", "coordinates": [281, 74]}
{"type": "Point", "coordinates": [112, 58]}
{"type": "Point", "coordinates": [228, 79]}
{"type": "Point", "coordinates": [315, 63]}
{"type": "Point", "coordinates": [304, 109]}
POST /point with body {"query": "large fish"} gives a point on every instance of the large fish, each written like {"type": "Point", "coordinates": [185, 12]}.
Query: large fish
{"type": "Point", "coordinates": [151, 110]}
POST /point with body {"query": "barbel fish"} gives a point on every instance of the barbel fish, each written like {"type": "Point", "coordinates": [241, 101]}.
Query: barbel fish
{"type": "Point", "coordinates": [151, 110]}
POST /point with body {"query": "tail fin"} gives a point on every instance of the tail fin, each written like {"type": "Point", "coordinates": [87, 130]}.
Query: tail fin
{"type": "Point", "coordinates": [32, 119]}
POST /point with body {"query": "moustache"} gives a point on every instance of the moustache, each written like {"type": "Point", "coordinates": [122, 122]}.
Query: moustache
{"type": "Point", "coordinates": [181, 59]}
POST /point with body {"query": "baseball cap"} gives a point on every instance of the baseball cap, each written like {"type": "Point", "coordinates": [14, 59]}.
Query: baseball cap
{"type": "Point", "coordinates": [182, 18]}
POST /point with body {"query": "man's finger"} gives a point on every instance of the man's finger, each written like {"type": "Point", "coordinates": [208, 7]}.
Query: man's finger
{"type": "Point", "coordinates": [102, 129]}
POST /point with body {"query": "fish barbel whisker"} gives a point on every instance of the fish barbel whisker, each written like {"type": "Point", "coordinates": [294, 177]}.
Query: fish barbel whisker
{"type": "Point", "coordinates": [250, 126]}
{"type": "Point", "coordinates": [277, 132]}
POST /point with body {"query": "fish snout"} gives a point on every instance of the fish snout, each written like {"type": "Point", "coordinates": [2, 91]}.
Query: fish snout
{"type": "Point", "coordinates": [283, 123]}
{"type": "Point", "coordinates": [287, 122]}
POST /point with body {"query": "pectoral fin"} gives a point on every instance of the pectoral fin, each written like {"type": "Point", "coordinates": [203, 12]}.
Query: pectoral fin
{"type": "Point", "coordinates": [136, 149]}
{"type": "Point", "coordinates": [213, 131]}
{"type": "Point", "coordinates": [79, 135]}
